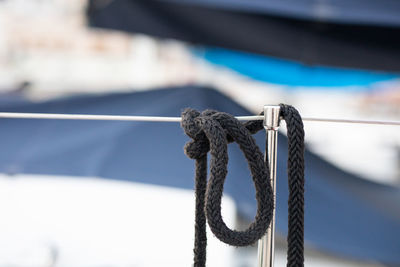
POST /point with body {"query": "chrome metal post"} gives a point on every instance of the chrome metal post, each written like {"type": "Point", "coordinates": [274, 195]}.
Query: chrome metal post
{"type": "Point", "coordinates": [266, 247]}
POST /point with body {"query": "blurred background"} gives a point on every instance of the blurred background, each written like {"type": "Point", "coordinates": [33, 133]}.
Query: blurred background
{"type": "Point", "coordinates": [82, 193]}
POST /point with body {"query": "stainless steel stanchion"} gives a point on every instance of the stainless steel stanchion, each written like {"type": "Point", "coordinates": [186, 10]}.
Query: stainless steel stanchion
{"type": "Point", "coordinates": [271, 124]}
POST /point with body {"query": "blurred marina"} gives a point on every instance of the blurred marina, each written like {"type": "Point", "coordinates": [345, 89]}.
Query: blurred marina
{"type": "Point", "coordinates": [61, 209]}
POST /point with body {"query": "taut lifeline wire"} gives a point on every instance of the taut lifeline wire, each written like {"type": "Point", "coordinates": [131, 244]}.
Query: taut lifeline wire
{"type": "Point", "coordinates": [17, 115]}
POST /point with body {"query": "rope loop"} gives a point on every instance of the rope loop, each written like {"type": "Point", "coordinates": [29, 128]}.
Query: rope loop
{"type": "Point", "coordinates": [211, 131]}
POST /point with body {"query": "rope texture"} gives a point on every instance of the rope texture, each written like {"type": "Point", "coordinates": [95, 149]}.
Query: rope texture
{"type": "Point", "coordinates": [212, 131]}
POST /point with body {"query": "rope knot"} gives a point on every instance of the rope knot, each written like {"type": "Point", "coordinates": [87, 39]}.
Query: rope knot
{"type": "Point", "coordinates": [191, 124]}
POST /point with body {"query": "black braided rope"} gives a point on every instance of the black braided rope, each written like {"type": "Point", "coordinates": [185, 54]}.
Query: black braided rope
{"type": "Point", "coordinates": [212, 131]}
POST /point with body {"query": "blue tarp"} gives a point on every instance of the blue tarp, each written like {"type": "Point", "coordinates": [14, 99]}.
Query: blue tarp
{"type": "Point", "coordinates": [292, 74]}
{"type": "Point", "coordinates": [345, 214]}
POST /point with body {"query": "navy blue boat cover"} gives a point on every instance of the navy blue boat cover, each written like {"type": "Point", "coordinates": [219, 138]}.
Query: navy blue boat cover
{"type": "Point", "coordinates": [360, 34]}
{"type": "Point", "coordinates": [384, 12]}
{"type": "Point", "coordinates": [345, 214]}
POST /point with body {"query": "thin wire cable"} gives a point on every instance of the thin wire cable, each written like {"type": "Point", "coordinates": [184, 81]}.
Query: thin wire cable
{"type": "Point", "coordinates": [375, 122]}
{"type": "Point", "coordinates": [15, 115]}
